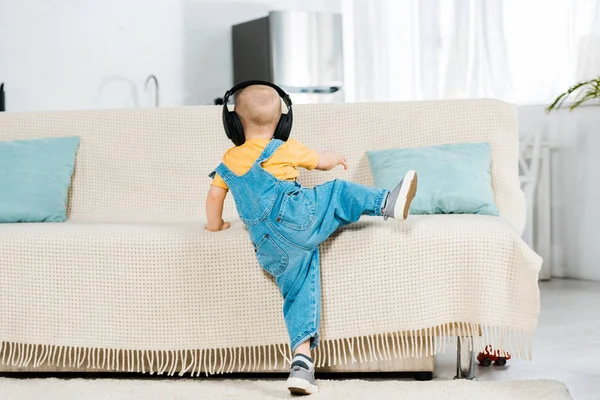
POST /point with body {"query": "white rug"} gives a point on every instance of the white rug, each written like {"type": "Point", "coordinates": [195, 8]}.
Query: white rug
{"type": "Point", "coordinates": [184, 389]}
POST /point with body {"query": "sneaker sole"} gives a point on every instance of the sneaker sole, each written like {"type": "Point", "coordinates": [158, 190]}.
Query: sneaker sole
{"type": "Point", "coordinates": [301, 386]}
{"type": "Point", "coordinates": [406, 195]}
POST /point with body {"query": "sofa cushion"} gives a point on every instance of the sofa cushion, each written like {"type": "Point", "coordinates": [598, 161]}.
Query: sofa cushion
{"type": "Point", "coordinates": [453, 178]}
{"type": "Point", "coordinates": [34, 179]}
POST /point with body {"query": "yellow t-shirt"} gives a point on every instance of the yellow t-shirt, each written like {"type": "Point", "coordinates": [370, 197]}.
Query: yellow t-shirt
{"type": "Point", "coordinates": [283, 164]}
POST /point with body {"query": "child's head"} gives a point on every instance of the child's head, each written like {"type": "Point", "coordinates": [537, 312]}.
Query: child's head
{"type": "Point", "coordinates": [259, 110]}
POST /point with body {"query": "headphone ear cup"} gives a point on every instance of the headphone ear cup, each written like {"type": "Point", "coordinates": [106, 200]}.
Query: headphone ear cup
{"type": "Point", "coordinates": [227, 125]}
{"type": "Point", "coordinates": [284, 127]}
{"type": "Point", "coordinates": [237, 129]}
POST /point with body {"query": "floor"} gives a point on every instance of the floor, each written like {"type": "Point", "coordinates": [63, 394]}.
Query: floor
{"type": "Point", "coordinates": [566, 346]}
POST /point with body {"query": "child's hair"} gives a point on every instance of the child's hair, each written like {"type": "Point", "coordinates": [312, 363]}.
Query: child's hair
{"type": "Point", "coordinates": [258, 105]}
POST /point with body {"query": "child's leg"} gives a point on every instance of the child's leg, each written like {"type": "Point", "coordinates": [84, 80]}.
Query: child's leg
{"type": "Point", "coordinates": [303, 348]}
{"type": "Point", "coordinates": [300, 286]}
{"type": "Point", "coordinates": [301, 289]}
{"type": "Point", "coordinates": [342, 202]}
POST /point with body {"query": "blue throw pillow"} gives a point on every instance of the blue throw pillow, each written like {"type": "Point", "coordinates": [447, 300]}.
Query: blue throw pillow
{"type": "Point", "coordinates": [452, 178]}
{"type": "Point", "coordinates": [34, 179]}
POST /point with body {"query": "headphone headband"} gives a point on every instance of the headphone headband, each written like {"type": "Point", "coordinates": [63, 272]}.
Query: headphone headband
{"type": "Point", "coordinates": [233, 125]}
{"type": "Point", "coordinates": [242, 85]}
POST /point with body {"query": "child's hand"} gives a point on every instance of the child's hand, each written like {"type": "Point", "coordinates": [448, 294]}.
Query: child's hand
{"type": "Point", "coordinates": [222, 226]}
{"type": "Point", "coordinates": [343, 162]}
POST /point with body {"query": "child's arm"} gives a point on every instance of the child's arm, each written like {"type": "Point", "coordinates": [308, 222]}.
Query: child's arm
{"type": "Point", "coordinates": [310, 159]}
{"type": "Point", "coordinates": [329, 160]}
{"type": "Point", "coordinates": [214, 209]}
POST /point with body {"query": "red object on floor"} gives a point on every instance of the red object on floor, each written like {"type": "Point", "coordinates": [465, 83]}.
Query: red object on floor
{"type": "Point", "coordinates": [489, 355]}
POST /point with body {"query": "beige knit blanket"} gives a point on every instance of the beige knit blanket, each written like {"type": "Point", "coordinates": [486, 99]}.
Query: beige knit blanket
{"type": "Point", "coordinates": [133, 282]}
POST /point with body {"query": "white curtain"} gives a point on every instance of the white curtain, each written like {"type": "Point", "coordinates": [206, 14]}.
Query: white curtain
{"type": "Point", "coordinates": [519, 51]}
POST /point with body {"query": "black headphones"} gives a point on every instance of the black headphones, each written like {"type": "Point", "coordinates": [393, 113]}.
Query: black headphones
{"type": "Point", "coordinates": [233, 125]}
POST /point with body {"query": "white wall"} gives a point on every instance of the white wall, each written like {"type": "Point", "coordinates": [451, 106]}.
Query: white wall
{"type": "Point", "coordinates": [81, 54]}
{"type": "Point", "coordinates": [78, 54]}
{"type": "Point", "coordinates": [575, 170]}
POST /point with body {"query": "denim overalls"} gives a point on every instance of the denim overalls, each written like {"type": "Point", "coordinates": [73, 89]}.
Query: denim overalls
{"type": "Point", "coordinates": [287, 223]}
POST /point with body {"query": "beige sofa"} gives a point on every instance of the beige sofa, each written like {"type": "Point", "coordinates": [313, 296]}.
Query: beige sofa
{"type": "Point", "coordinates": [132, 281]}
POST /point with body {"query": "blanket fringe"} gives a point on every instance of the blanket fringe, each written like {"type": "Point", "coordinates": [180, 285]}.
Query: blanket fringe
{"type": "Point", "coordinates": [414, 343]}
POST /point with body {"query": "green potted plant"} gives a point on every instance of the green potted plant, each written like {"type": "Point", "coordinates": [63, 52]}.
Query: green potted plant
{"type": "Point", "coordinates": [586, 91]}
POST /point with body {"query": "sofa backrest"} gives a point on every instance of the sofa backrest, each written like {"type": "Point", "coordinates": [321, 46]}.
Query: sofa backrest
{"type": "Point", "coordinates": [153, 164]}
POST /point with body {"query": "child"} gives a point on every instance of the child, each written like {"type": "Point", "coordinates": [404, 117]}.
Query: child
{"type": "Point", "coordinates": [287, 222]}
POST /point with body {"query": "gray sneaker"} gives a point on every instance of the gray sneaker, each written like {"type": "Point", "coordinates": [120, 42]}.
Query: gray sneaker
{"type": "Point", "coordinates": [399, 199]}
{"type": "Point", "coordinates": [302, 376]}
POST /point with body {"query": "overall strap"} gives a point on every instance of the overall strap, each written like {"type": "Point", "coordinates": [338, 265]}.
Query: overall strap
{"type": "Point", "coordinates": [268, 152]}
{"type": "Point", "coordinates": [224, 172]}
